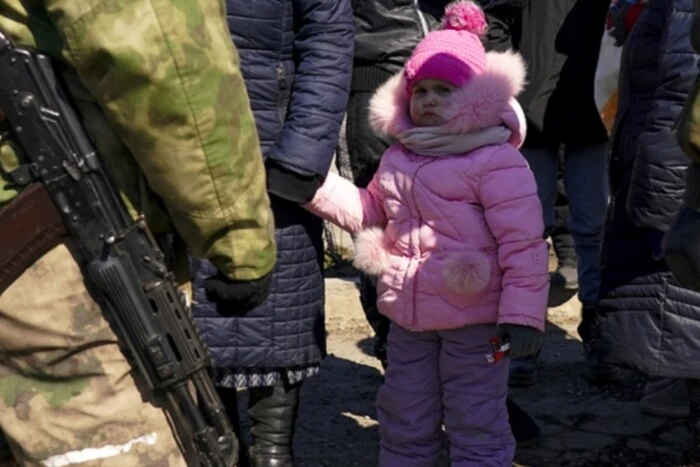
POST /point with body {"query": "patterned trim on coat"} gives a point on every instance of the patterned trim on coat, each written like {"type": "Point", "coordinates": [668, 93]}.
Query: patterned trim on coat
{"type": "Point", "coordinates": [261, 377]}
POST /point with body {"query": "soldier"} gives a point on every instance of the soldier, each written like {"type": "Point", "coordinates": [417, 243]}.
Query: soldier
{"type": "Point", "coordinates": [160, 91]}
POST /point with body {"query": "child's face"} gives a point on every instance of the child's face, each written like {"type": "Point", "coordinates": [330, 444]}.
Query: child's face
{"type": "Point", "coordinates": [429, 100]}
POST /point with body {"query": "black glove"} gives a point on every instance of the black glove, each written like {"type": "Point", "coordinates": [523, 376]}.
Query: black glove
{"type": "Point", "coordinates": [524, 340]}
{"type": "Point", "coordinates": [682, 247]}
{"type": "Point", "coordinates": [236, 297]}
{"type": "Point", "coordinates": [290, 185]}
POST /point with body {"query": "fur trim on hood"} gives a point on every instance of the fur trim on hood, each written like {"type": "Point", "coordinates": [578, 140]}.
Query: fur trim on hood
{"type": "Point", "coordinates": [485, 101]}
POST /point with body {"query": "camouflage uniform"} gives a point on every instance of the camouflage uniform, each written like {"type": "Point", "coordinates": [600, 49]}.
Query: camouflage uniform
{"type": "Point", "coordinates": [159, 87]}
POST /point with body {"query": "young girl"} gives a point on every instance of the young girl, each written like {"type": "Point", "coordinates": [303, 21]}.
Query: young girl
{"type": "Point", "coordinates": [452, 225]}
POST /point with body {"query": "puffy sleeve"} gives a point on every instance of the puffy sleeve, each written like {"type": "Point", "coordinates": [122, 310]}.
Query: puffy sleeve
{"type": "Point", "coordinates": [508, 193]}
{"type": "Point", "coordinates": [349, 207]}
{"type": "Point", "coordinates": [323, 47]}
{"type": "Point", "coordinates": [660, 165]}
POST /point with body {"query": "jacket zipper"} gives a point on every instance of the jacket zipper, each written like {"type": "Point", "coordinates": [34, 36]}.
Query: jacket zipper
{"type": "Point", "coordinates": [422, 22]}
{"type": "Point", "coordinates": [420, 223]}
{"type": "Point", "coordinates": [283, 95]}
{"type": "Point", "coordinates": [281, 79]}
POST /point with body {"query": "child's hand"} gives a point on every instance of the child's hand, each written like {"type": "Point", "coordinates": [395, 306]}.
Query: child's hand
{"type": "Point", "coordinates": [524, 340]}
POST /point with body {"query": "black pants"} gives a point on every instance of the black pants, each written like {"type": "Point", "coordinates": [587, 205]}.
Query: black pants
{"type": "Point", "coordinates": [562, 240]}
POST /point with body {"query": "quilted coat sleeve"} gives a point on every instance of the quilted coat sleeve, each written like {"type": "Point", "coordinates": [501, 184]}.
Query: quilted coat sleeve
{"type": "Point", "coordinates": [323, 46]}
{"type": "Point", "coordinates": [351, 208]}
{"type": "Point", "coordinates": [508, 193]}
{"type": "Point", "coordinates": [658, 175]}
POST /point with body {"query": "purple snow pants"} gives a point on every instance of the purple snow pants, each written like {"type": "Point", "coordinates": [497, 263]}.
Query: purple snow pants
{"type": "Point", "coordinates": [443, 377]}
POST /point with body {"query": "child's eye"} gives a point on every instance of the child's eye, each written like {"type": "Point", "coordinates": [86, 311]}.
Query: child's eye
{"type": "Point", "coordinates": [419, 91]}
{"type": "Point", "coordinates": [445, 90]}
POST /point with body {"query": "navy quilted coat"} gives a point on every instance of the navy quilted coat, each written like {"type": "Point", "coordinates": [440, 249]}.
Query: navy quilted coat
{"type": "Point", "coordinates": [296, 58]}
{"type": "Point", "coordinates": [650, 322]}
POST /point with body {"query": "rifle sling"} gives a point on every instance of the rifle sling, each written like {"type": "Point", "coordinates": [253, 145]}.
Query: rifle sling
{"type": "Point", "coordinates": [30, 227]}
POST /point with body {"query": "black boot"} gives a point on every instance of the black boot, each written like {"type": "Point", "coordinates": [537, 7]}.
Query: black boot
{"type": "Point", "coordinates": [273, 413]}
{"type": "Point", "coordinates": [524, 428]}
{"type": "Point", "coordinates": [381, 343]}
{"type": "Point", "coordinates": [523, 371]}
{"type": "Point", "coordinates": [229, 397]}
{"type": "Point", "coordinates": [692, 456]}
{"type": "Point", "coordinates": [598, 371]}
{"type": "Point", "coordinates": [566, 274]}
{"type": "Point", "coordinates": [377, 321]}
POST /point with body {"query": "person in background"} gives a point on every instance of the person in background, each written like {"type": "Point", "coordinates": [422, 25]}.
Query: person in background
{"type": "Point", "coordinates": [296, 62]}
{"type": "Point", "coordinates": [641, 141]}
{"type": "Point", "coordinates": [504, 33]}
{"type": "Point", "coordinates": [560, 42]}
{"type": "Point", "coordinates": [682, 241]}
{"type": "Point", "coordinates": [671, 328]}
{"type": "Point", "coordinates": [647, 171]}
{"type": "Point", "coordinates": [647, 176]}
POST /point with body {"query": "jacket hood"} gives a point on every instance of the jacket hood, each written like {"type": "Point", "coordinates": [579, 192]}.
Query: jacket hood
{"type": "Point", "coordinates": [487, 100]}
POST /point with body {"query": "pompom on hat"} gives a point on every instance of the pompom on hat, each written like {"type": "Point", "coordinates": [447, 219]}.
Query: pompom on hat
{"type": "Point", "coordinates": [454, 53]}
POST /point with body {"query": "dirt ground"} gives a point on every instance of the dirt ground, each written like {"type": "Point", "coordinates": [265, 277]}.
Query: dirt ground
{"type": "Point", "coordinates": [582, 425]}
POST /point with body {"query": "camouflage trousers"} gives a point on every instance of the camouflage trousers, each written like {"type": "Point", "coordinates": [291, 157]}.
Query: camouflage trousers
{"type": "Point", "coordinates": [67, 395]}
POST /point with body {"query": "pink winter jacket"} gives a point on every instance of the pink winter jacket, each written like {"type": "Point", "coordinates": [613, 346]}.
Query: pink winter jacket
{"type": "Point", "coordinates": [457, 239]}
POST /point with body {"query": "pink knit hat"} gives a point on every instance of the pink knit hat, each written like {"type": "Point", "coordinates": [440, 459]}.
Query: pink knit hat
{"type": "Point", "coordinates": [454, 53]}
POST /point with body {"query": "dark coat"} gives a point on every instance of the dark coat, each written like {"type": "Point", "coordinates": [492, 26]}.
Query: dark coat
{"type": "Point", "coordinates": [386, 32]}
{"type": "Point", "coordinates": [296, 59]}
{"type": "Point", "coordinates": [560, 42]}
{"type": "Point", "coordinates": [649, 321]}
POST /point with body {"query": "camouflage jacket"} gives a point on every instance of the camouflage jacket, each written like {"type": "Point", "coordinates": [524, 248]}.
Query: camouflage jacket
{"type": "Point", "coordinates": [160, 91]}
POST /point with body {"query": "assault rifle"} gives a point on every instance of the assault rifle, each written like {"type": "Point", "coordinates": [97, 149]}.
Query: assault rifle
{"type": "Point", "coordinates": [123, 261]}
